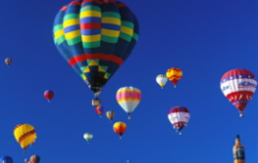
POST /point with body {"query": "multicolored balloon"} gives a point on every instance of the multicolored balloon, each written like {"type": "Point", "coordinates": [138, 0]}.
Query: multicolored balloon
{"type": "Point", "coordinates": [95, 37]}
{"type": "Point", "coordinates": [110, 115]}
{"type": "Point", "coordinates": [8, 61]}
{"type": "Point", "coordinates": [49, 95]}
{"type": "Point", "coordinates": [100, 110]}
{"type": "Point", "coordinates": [174, 75]}
{"type": "Point", "coordinates": [179, 117]}
{"type": "Point", "coordinates": [161, 80]}
{"type": "Point", "coordinates": [238, 85]}
{"type": "Point", "coordinates": [88, 137]}
{"type": "Point", "coordinates": [119, 128]}
{"type": "Point", "coordinates": [25, 135]}
{"type": "Point", "coordinates": [128, 98]}
{"type": "Point", "coordinates": [34, 159]}
{"type": "Point", "coordinates": [6, 159]}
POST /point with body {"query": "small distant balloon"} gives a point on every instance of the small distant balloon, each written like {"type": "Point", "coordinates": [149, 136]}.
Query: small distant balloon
{"type": "Point", "coordinates": [34, 159]}
{"type": "Point", "coordinates": [119, 128]}
{"type": "Point", "coordinates": [161, 80]}
{"type": "Point", "coordinates": [179, 117]}
{"type": "Point", "coordinates": [110, 115]}
{"type": "Point", "coordinates": [49, 95]}
{"type": "Point", "coordinates": [174, 75]}
{"type": "Point", "coordinates": [100, 110]}
{"type": "Point", "coordinates": [6, 159]}
{"type": "Point", "coordinates": [88, 137]}
{"type": "Point", "coordinates": [8, 61]}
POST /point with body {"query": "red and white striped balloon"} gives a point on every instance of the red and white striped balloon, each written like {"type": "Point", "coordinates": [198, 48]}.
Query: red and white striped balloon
{"type": "Point", "coordinates": [238, 85]}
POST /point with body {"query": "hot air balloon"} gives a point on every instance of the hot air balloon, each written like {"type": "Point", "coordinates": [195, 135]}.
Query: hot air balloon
{"type": "Point", "coordinates": [27, 160]}
{"type": "Point", "coordinates": [88, 137]}
{"type": "Point", "coordinates": [161, 80]}
{"type": "Point", "coordinates": [100, 110]}
{"type": "Point", "coordinates": [95, 37]}
{"type": "Point", "coordinates": [110, 115]}
{"type": "Point", "coordinates": [49, 95]}
{"type": "Point", "coordinates": [34, 159]}
{"type": "Point", "coordinates": [128, 98]}
{"type": "Point", "coordinates": [25, 135]}
{"type": "Point", "coordinates": [238, 151]}
{"type": "Point", "coordinates": [8, 61]}
{"type": "Point", "coordinates": [6, 159]}
{"type": "Point", "coordinates": [174, 75]}
{"type": "Point", "coordinates": [179, 117]}
{"type": "Point", "coordinates": [119, 128]}
{"type": "Point", "coordinates": [238, 85]}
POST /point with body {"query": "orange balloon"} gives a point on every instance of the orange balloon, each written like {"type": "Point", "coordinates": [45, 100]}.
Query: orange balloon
{"type": "Point", "coordinates": [119, 128]}
{"type": "Point", "coordinates": [174, 75]}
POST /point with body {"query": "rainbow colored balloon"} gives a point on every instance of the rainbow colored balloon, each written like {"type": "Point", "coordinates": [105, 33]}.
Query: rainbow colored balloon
{"type": "Point", "coordinates": [128, 98]}
{"type": "Point", "coordinates": [95, 37]}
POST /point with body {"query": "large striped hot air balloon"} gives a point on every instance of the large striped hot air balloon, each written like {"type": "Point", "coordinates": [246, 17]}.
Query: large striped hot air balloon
{"type": "Point", "coordinates": [174, 75]}
{"type": "Point", "coordinates": [128, 98]}
{"type": "Point", "coordinates": [179, 117]}
{"type": "Point", "coordinates": [238, 85]}
{"type": "Point", "coordinates": [25, 135]}
{"type": "Point", "coordinates": [95, 37]}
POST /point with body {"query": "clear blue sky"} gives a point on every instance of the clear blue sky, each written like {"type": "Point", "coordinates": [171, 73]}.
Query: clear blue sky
{"type": "Point", "coordinates": [203, 38]}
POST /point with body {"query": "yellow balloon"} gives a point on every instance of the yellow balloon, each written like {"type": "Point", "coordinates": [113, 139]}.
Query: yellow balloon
{"type": "Point", "coordinates": [25, 135]}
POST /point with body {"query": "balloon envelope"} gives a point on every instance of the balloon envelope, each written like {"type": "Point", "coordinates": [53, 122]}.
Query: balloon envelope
{"type": "Point", "coordinates": [49, 94]}
{"type": "Point", "coordinates": [161, 80]}
{"type": "Point", "coordinates": [179, 117]}
{"type": "Point", "coordinates": [34, 159]}
{"type": "Point", "coordinates": [238, 85]}
{"type": "Point", "coordinates": [25, 135]}
{"type": "Point", "coordinates": [174, 75]}
{"type": "Point", "coordinates": [119, 128]}
{"type": "Point", "coordinates": [8, 61]}
{"type": "Point", "coordinates": [88, 136]}
{"type": "Point", "coordinates": [6, 159]}
{"type": "Point", "coordinates": [128, 98]}
{"type": "Point", "coordinates": [100, 110]}
{"type": "Point", "coordinates": [110, 114]}
{"type": "Point", "coordinates": [95, 37]}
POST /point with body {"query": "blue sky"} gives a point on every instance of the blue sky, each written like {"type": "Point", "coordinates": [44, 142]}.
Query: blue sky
{"type": "Point", "coordinates": [203, 38]}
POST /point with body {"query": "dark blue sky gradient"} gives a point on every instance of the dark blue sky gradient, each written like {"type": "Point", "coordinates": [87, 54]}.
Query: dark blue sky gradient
{"type": "Point", "coordinates": [203, 38]}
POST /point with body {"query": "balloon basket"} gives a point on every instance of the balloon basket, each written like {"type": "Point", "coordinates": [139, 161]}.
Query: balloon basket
{"type": "Point", "coordinates": [96, 102]}
{"type": "Point", "coordinates": [175, 86]}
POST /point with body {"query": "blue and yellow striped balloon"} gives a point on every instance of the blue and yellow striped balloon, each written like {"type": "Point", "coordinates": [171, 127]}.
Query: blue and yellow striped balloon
{"type": "Point", "coordinates": [95, 37]}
